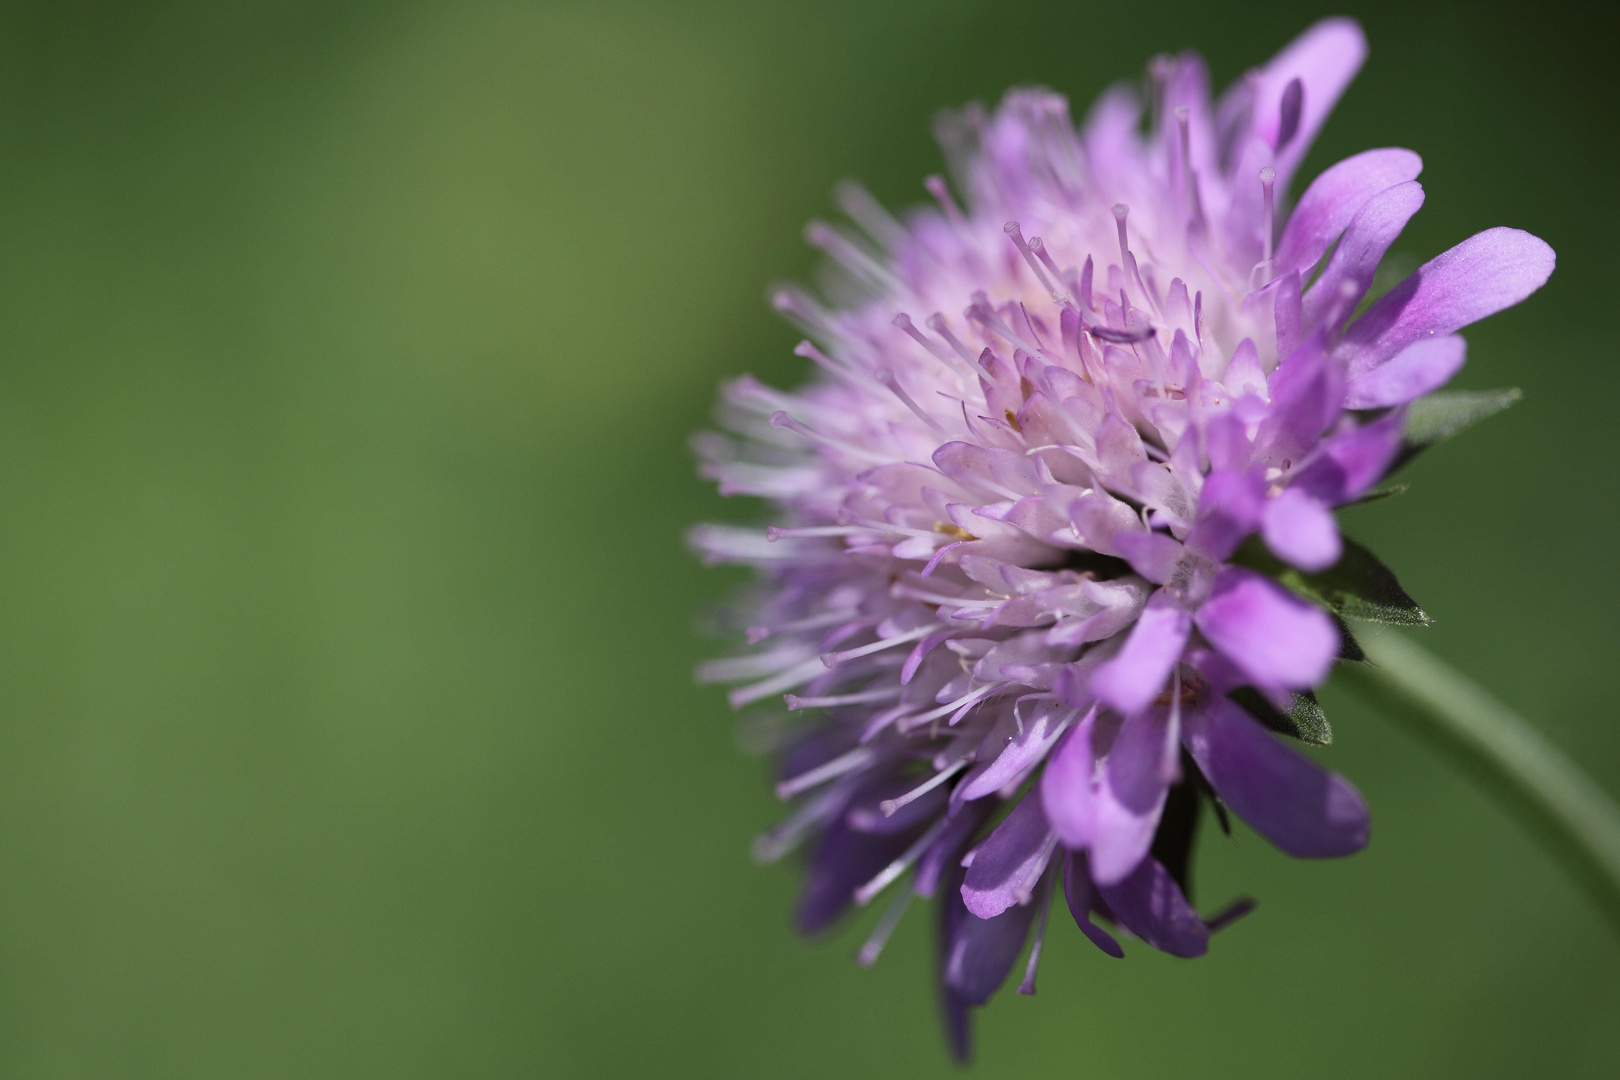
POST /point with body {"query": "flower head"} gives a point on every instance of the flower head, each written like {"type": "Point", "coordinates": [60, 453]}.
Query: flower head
{"type": "Point", "coordinates": [1056, 543]}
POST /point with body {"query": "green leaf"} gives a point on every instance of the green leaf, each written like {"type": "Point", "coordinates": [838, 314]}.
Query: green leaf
{"type": "Point", "coordinates": [1304, 719]}
{"type": "Point", "coordinates": [1358, 586]}
{"type": "Point", "coordinates": [1349, 648]}
{"type": "Point", "coordinates": [1436, 417]}
{"type": "Point", "coordinates": [1380, 494]}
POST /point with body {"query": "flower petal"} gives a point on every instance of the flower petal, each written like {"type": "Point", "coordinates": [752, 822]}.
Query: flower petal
{"type": "Point", "coordinates": [980, 952]}
{"type": "Point", "coordinates": [1324, 59]}
{"type": "Point", "coordinates": [1009, 862]}
{"type": "Point", "coordinates": [1131, 680]}
{"type": "Point", "coordinates": [1349, 272]}
{"type": "Point", "coordinates": [1302, 808]}
{"type": "Point", "coordinates": [1274, 637]}
{"type": "Point", "coordinates": [1069, 784]}
{"type": "Point", "coordinates": [1080, 893]}
{"type": "Point", "coordinates": [1333, 199]}
{"type": "Point", "coordinates": [1482, 275]}
{"type": "Point", "coordinates": [1229, 509]}
{"type": "Point", "coordinates": [1425, 365]}
{"type": "Point", "coordinates": [1301, 531]}
{"type": "Point", "coordinates": [1151, 905]}
{"type": "Point", "coordinates": [1141, 766]}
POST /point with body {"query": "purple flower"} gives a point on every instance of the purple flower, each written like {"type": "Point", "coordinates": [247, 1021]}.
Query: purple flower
{"type": "Point", "coordinates": [1057, 552]}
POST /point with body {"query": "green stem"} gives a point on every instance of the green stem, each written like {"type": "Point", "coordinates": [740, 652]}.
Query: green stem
{"type": "Point", "coordinates": [1511, 759]}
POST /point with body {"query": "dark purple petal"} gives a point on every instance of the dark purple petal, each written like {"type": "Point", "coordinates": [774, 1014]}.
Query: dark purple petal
{"type": "Point", "coordinates": [981, 952]}
{"type": "Point", "coordinates": [1306, 395]}
{"type": "Point", "coordinates": [1151, 554]}
{"type": "Point", "coordinates": [1300, 530]}
{"type": "Point", "coordinates": [845, 859]}
{"type": "Point", "coordinates": [1013, 754]}
{"type": "Point", "coordinates": [1424, 365]}
{"type": "Point", "coordinates": [958, 1015]}
{"type": "Point", "coordinates": [1351, 462]}
{"type": "Point", "coordinates": [1273, 636]}
{"type": "Point", "coordinates": [1229, 509]}
{"type": "Point", "coordinates": [1009, 862]}
{"type": "Point", "coordinates": [1150, 905]}
{"type": "Point", "coordinates": [1349, 273]}
{"type": "Point", "coordinates": [1080, 893]}
{"type": "Point", "coordinates": [1333, 199]}
{"type": "Point", "coordinates": [1302, 808]}
{"type": "Point", "coordinates": [1069, 784]}
{"type": "Point", "coordinates": [1141, 766]}
{"type": "Point", "coordinates": [962, 821]}
{"type": "Point", "coordinates": [1482, 275]}
{"type": "Point", "coordinates": [1131, 680]}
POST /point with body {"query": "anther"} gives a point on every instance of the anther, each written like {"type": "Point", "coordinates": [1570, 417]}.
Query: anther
{"type": "Point", "coordinates": [1017, 235]}
{"type": "Point", "coordinates": [1039, 248]}
{"type": "Point", "coordinates": [903, 321]}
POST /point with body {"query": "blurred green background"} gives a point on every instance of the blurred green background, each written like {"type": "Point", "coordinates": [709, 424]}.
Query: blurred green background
{"type": "Point", "coordinates": [347, 351]}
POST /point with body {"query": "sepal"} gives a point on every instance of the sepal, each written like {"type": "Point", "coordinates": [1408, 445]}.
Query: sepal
{"type": "Point", "coordinates": [1358, 586]}
{"type": "Point", "coordinates": [1304, 719]}
{"type": "Point", "coordinates": [1436, 417]}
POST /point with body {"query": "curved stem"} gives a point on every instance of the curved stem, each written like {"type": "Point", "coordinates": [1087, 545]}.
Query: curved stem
{"type": "Point", "coordinates": [1513, 761]}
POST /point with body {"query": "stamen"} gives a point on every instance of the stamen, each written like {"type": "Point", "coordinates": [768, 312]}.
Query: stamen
{"type": "Point", "coordinates": [1230, 914]}
{"type": "Point", "coordinates": [1121, 211]}
{"type": "Point", "coordinates": [1184, 126]}
{"type": "Point", "coordinates": [753, 666]}
{"type": "Point", "coordinates": [941, 193]}
{"type": "Point", "coordinates": [906, 592]}
{"type": "Point", "coordinates": [774, 533]}
{"type": "Point", "coordinates": [788, 833]}
{"type": "Point", "coordinates": [808, 350]}
{"type": "Point", "coordinates": [780, 419]}
{"type": "Point", "coordinates": [787, 680]}
{"type": "Point", "coordinates": [903, 321]}
{"type": "Point", "coordinates": [981, 311]}
{"type": "Point", "coordinates": [757, 634]}
{"type": "Point", "coordinates": [843, 251]}
{"type": "Point", "coordinates": [936, 323]}
{"type": "Point", "coordinates": [873, 947]}
{"type": "Point", "coordinates": [833, 701]}
{"type": "Point", "coordinates": [1017, 235]}
{"type": "Point", "coordinates": [1039, 248]}
{"type": "Point", "coordinates": [886, 377]}
{"type": "Point", "coordinates": [889, 806]}
{"type": "Point", "coordinates": [869, 214]}
{"type": "Point", "coordinates": [857, 758]}
{"type": "Point", "coordinates": [963, 703]}
{"type": "Point", "coordinates": [865, 893]}
{"type": "Point", "coordinates": [833, 659]}
{"type": "Point", "coordinates": [1268, 182]}
{"type": "Point", "coordinates": [1028, 985]}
